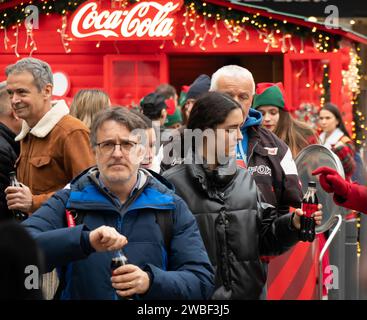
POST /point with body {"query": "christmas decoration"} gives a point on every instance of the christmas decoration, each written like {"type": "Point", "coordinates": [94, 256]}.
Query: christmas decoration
{"type": "Point", "coordinates": [201, 28]}
{"type": "Point", "coordinates": [30, 39]}
{"type": "Point", "coordinates": [64, 37]}
{"type": "Point", "coordinates": [308, 113]}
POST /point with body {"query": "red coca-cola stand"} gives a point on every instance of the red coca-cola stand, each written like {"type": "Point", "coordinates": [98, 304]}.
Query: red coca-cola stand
{"type": "Point", "coordinates": [127, 50]}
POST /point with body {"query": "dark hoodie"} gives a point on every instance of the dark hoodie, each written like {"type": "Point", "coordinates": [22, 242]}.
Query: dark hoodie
{"type": "Point", "coordinates": [9, 151]}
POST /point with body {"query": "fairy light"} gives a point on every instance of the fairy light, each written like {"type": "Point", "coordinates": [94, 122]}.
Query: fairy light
{"type": "Point", "coordinates": [6, 39]}
{"type": "Point", "coordinates": [271, 41]}
{"type": "Point", "coordinates": [234, 32]}
{"type": "Point", "coordinates": [162, 45]}
{"type": "Point", "coordinates": [262, 34]}
{"type": "Point", "coordinates": [196, 35]}
{"type": "Point", "coordinates": [30, 38]}
{"type": "Point", "coordinates": [15, 45]}
{"type": "Point", "coordinates": [216, 34]}
{"type": "Point", "coordinates": [207, 32]}
{"type": "Point", "coordinates": [247, 34]}
{"type": "Point", "coordinates": [64, 37]}
{"type": "Point", "coordinates": [186, 33]}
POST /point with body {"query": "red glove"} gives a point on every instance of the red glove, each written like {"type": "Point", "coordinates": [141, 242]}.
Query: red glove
{"type": "Point", "coordinates": [331, 181]}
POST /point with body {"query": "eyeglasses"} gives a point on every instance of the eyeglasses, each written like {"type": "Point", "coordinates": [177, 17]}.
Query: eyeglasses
{"type": "Point", "coordinates": [108, 147]}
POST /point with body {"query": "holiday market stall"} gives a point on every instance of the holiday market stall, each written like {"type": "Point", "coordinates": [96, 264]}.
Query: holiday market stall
{"type": "Point", "coordinates": [128, 48]}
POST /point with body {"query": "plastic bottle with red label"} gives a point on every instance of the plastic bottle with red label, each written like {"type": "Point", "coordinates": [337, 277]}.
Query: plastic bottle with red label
{"type": "Point", "coordinates": [309, 206]}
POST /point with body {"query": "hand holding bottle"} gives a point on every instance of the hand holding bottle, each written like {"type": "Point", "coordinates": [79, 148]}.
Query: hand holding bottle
{"type": "Point", "coordinates": [129, 280]}
{"type": "Point", "coordinates": [18, 197]}
{"type": "Point", "coordinates": [299, 213]}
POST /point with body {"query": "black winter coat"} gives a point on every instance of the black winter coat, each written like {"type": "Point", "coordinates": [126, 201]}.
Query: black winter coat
{"type": "Point", "coordinates": [9, 151]}
{"type": "Point", "coordinates": [236, 227]}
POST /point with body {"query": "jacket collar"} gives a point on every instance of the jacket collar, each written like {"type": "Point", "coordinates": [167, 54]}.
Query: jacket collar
{"type": "Point", "coordinates": [43, 127]}
{"type": "Point", "coordinates": [216, 187]}
{"type": "Point", "coordinates": [86, 194]}
{"type": "Point", "coordinates": [335, 136]}
{"type": "Point", "coordinates": [254, 119]}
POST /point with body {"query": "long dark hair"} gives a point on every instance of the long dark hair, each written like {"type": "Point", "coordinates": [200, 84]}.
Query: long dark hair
{"type": "Point", "coordinates": [294, 133]}
{"type": "Point", "coordinates": [210, 110]}
{"type": "Point", "coordinates": [335, 111]}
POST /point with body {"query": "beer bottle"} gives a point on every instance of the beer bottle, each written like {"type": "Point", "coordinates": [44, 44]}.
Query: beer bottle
{"type": "Point", "coordinates": [309, 206]}
{"type": "Point", "coordinates": [118, 260]}
{"type": "Point", "coordinates": [18, 215]}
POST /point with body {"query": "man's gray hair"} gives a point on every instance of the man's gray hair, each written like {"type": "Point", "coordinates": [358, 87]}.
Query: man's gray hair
{"type": "Point", "coordinates": [119, 114]}
{"type": "Point", "coordinates": [40, 70]}
{"type": "Point", "coordinates": [232, 71]}
{"type": "Point", "coordinates": [5, 107]}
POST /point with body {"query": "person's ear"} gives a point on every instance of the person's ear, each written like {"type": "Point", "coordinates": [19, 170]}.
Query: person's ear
{"type": "Point", "coordinates": [164, 114]}
{"type": "Point", "coordinates": [47, 91]}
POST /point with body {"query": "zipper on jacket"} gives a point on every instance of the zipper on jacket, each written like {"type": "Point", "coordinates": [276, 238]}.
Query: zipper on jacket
{"type": "Point", "coordinates": [119, 223]}
{"type": "Point", "coordinates": [252, 152]}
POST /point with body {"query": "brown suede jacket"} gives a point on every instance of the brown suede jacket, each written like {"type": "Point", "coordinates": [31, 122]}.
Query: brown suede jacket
{"type": "Point", "coordinates": [52, 153]}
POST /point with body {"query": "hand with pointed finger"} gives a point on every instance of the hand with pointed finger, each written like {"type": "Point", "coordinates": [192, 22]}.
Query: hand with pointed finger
{"type": "Point", "coordinates": [331, 181]}
{"type": "Point", "coordinates": [19, 198]}
{"type": "Point", "coordinates": [129, 280]}
{"type": "Point", "coordinates": [106, 239]}
{"type": "Point", "coordinates": [316, 215]}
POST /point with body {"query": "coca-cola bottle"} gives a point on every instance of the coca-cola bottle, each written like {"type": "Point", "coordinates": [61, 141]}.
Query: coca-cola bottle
{"type": "Point", "coordinates": [118, 260]}
{"type": "Point", "coordinates": [309, 206]}
{"type": "Point", "coordinates": [18, 215]}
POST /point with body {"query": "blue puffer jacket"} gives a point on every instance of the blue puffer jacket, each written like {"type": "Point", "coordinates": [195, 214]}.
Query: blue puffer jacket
{"type": "Point", "coordinates": [190, 274]}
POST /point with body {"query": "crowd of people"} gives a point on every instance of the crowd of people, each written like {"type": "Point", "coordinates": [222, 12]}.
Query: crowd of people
{"type": "Point", "coordinates": [198, 190]}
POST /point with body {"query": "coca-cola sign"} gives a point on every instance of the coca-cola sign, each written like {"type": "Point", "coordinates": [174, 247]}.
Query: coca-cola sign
{"type": "Point", "coordinates": [145, 20]}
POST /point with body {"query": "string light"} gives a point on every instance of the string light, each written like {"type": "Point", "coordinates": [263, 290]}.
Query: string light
{"type": "Point", "coordinates": [216, 34]}
{"type": "Point", "coordinates": [64, 36]}
{"type": "Point", "coordinates": [6, 39]}
{"type": "Point", "coordinates": [186, 33]}
{"type": "Point", "coordinates": [193, 29]}
{"type": "Point", "coordinates": [30, 38]}
{"type": "Point", "coordinates": [162, 45]}
{"type": "Point", "coordinates": [203, 9]}
{"type": "Point", "coordinates": [15, 45]}
{"type": "Point", "coordinates": [207, 32]}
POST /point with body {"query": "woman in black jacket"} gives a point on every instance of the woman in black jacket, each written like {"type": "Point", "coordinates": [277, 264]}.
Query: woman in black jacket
{"type": "Point", "coordinates": [236, 226]}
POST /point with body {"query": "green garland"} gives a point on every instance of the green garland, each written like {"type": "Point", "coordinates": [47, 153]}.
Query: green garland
{"type": "Point", "coordinates": [12, 16]}
{"type": "Point", "coordinates": [260, 21]}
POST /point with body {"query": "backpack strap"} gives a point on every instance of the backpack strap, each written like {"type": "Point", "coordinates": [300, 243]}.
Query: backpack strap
{"type": "Point", "coordinates": [78, 218]}
{"type": "Point", "coordinates": [165, 221]}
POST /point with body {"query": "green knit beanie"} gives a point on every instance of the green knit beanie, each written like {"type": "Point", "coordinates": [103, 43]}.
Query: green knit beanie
{"type": "Point", "coordinates": [174, 118]}
{"type": "Point", "coordinates": [268, 96]}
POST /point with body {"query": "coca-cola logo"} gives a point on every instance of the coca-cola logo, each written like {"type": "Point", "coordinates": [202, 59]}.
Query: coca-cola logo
{"type": "Point", "coordinates": [148, 20]}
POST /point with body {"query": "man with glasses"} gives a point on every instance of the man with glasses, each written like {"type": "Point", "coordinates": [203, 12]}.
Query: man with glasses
{"type": "Point", "coordinates": [117, 205]}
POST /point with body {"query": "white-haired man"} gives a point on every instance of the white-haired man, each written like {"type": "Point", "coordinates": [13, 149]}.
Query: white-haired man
{"type": "Point", "coordinates": [261, 152]}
